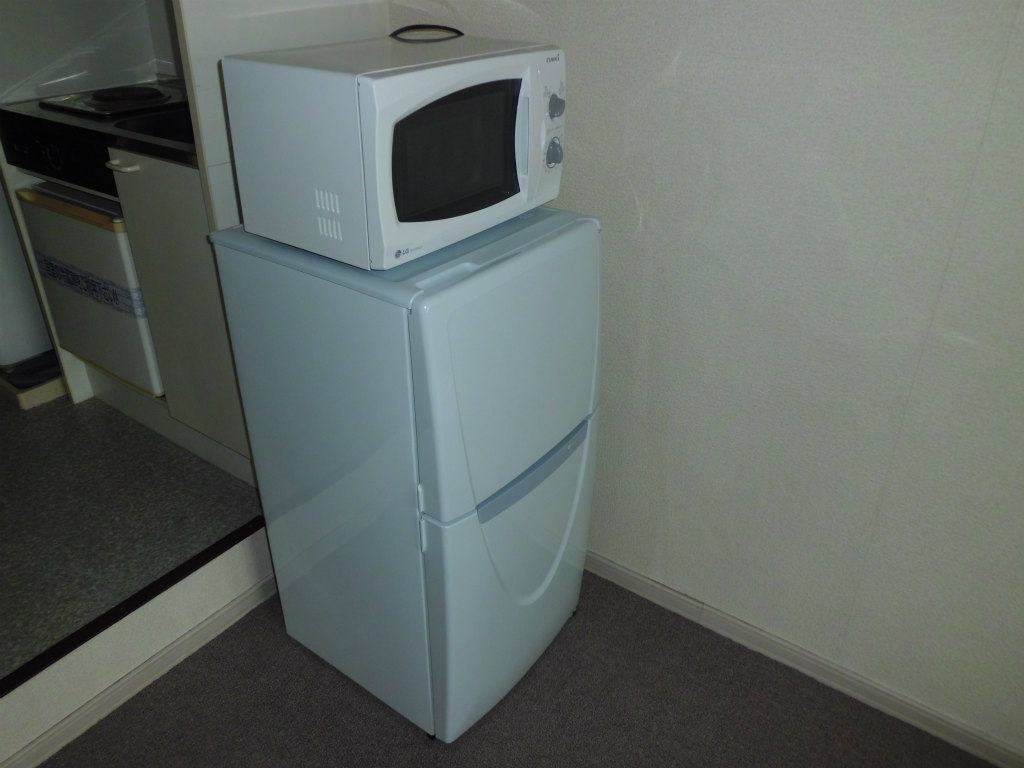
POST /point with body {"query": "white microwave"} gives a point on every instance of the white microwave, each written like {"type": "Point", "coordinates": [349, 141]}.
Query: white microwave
{"type": "Point", "coordinates": [378, 152]}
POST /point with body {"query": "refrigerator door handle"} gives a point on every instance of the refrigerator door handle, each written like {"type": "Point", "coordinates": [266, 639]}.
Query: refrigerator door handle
{"type": "Point", "coordinates": [533, 476]}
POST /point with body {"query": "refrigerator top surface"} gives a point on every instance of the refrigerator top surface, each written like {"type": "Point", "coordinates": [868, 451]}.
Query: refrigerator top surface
{"type": "Point", "coordinates": [403, 285]}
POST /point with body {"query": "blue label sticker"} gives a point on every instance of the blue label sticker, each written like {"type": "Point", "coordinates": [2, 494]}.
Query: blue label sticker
{"type": "Point", "coordinates": [119, 298]}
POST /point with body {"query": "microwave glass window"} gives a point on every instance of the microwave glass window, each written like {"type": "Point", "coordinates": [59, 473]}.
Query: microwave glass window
{"type": "Point", "coordinates": [457, 155]}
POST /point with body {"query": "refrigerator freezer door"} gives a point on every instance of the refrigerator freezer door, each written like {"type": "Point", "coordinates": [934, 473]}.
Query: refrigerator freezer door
{"type": "Point", "coordinates": [505, 367]}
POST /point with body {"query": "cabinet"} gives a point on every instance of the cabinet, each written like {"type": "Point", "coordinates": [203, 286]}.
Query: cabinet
{"type": "Point", "coordinates": [165, 214]}
{"type": "Point", "coordinates": [87, 274]}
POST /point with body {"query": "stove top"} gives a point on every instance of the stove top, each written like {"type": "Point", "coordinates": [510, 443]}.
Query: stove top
{"type": "Point", "coordinates": [114, 102]}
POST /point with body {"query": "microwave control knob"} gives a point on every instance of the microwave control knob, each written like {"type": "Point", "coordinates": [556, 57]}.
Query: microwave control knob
{"type": "Point", "coordinates": [555, 154]}
{"type": "Point", "coordinates": [556, 106]}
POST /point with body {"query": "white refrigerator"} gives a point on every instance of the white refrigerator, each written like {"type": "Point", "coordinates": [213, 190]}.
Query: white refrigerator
{"type": "Point", "coordinates": [424, 441]}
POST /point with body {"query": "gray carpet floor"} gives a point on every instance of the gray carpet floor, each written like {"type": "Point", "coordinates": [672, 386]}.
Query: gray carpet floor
{"type": "Point", "coordinates": [94, 507]}
{"type": "Point", "coordinates": [626, 683]}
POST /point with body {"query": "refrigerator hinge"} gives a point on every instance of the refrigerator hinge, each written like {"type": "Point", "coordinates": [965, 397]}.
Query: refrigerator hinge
{"type": "Point", "coordinates": [420, 506]}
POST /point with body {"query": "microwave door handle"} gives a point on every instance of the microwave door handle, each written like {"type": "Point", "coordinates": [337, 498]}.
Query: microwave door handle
{"type": "Point", "coordinates": [523, 135]}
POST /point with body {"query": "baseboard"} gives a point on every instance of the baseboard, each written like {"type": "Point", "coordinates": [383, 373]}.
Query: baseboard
{"type": "Point", "coordinates": [827, 672]}
{"type": "Point", "coordinates": [33, 396]}
{"type": "Point", "coordinates": [106, 702]}
{"type": "Point", "coordinates": [820, 669]}
{"type": "Point", "coordinates": [231, 586]}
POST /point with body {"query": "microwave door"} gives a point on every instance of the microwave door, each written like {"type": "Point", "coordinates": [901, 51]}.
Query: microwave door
{"type": "Point", "coordinates": [459, 154]}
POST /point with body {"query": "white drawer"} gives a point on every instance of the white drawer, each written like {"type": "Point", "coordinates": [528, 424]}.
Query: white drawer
{"type": "Point", "coordinates": [91, 287]}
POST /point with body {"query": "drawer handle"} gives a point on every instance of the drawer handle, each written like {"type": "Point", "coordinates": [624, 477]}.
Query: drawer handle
{"type": "Point", "coordinates": [115, 165]}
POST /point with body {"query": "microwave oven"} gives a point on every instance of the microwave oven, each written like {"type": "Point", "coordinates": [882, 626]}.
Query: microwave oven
{"type": "Point", "coordinates": [378, 152]}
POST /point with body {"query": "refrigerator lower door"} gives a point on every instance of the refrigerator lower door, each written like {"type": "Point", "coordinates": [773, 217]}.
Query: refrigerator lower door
{"type": "Point", "coordinates": [501, 582]}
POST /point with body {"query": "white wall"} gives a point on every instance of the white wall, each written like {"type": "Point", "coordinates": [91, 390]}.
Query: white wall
{"type": "Point", "coordinates": [166, 56]}
{"type": "Point", "coordinates": [49, 47]}
{"type": "Point", "coordinates": [813, 373]}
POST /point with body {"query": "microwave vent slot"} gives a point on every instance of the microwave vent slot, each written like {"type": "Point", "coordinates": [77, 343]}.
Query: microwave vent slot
{"type": "Point", "coordinates": [328, 203]}
{"type": "Point", "coordinates": [329, 228]}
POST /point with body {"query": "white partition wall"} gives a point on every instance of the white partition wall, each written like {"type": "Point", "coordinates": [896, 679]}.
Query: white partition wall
{"type": "Point", "coordinates": [208, 31]}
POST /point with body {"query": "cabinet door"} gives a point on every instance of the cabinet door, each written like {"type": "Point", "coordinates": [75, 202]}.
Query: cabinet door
{"type": "Point", "coordinates": [165, 215]}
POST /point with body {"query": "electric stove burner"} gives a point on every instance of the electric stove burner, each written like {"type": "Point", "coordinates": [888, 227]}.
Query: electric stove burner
{"type": "Point", "coordinates": [108, 103]}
